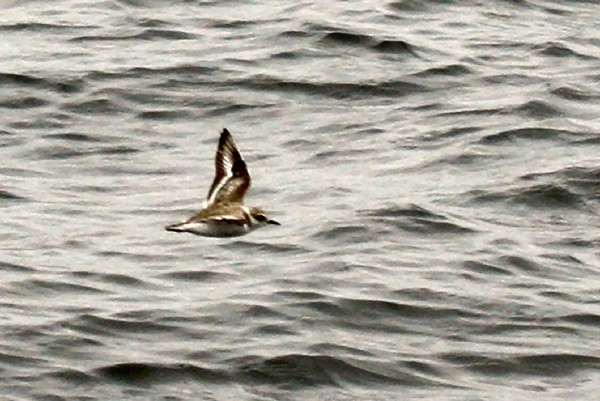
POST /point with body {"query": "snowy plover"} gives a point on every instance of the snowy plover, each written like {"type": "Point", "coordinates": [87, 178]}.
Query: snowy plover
{"type": "Point", "coordinates": [224, 213]}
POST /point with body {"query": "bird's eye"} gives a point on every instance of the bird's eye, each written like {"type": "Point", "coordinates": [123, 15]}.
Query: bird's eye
{"type": "Point", "coordinates": [260, 217]}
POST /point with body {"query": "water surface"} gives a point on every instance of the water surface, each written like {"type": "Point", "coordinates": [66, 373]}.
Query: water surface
{"type": "Point", "coordinates": [434, 166]}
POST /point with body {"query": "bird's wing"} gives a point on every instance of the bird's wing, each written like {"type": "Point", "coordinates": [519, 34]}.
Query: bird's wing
{"type": "Point", "coordinates": [232, 179]}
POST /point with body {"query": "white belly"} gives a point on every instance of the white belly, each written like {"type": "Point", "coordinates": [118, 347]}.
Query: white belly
{"type": "Point", "coordinates": [214, 230]}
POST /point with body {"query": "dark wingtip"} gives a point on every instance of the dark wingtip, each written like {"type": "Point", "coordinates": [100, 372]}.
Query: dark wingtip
{"type": "Point", "coordinates": [239, 168]}
{"type": "Point", "coordinates": [224, 137]}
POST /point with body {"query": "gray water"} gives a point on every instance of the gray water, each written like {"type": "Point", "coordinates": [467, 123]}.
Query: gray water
{"type": "Point", "coordinates": [435, 166]}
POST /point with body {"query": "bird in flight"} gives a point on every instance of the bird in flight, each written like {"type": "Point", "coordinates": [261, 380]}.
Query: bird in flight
{"type": "Point", "coordinates": [224, 213]}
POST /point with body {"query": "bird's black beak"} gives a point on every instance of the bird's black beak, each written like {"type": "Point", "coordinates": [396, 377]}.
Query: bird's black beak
{"type": "Point", "coordinates": [273, 222]}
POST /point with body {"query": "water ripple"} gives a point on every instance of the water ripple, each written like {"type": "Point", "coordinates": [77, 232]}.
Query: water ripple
{"type": "Point", "coordinates": [155, 373]}
{"type": "Point", "coordinates": [435, 165]}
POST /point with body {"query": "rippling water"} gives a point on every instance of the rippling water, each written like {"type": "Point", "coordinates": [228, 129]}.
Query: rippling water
{"type": "Point", "coordinates": [435, 165]}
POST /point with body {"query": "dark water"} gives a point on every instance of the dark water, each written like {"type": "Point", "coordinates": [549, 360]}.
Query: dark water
{"type": "Point", "coordinates": [435, 165]}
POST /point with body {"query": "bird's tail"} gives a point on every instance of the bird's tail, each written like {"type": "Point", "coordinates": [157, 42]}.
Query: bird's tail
{"type": "Point", "coordinates": [175, 227]}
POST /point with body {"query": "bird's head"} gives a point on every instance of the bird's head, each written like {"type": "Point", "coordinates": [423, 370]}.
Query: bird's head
{"type": "Point", "coordinates": [260, 217]}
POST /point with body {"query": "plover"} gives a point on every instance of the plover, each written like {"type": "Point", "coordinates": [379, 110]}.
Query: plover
{"type": "Point", "coordinates": [224, 213]}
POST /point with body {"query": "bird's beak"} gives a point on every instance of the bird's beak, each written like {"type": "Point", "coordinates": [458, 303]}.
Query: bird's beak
{"type": "Point", "coordinates": [273, 222]}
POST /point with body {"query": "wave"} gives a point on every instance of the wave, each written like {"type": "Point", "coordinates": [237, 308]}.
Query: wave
{"type": "Point", "coordinates": [111, 278]}
{"type": "Point", "coordinates": [73, 377]}
{"type": "Point", "coordinates": [450, 70]}
{"type": "Point", "coordinates": [584, 180]}
{"type": "Point", "coordinates": [72, 136]}
{"type": "Point", "coordinates": [411, 210]}
{"type": "Point", "coordinates": [537, 109]}
{"type": "Point", "coordinates": [27, 102]}
{"type": "Point", "coordinates": [7, 267]}
{"type": "Point", "coordinates": [347, 38]}
{"type": "Point", "coordinates": [95, 106]}
{"type": "Point", "coordinates": [396, 46]}
{"type": "Point", "coordinates": [10, 196]}
{"type": "Point", "coordinates": [533, 109]}
{"type": "Point", "coordinates": [149, 373]}
{"type": "Point", "coordinates": [374, 308]}
{"type": "Point", "coordinates": [334, 90]}
{"type": "Point", "coordinates": [138, 323]}
{"type": "Point", "coordinates": [42, 27]}
{"type": "Point", "coordinates": [22, 361]}
{"type": "Point", "coordinates": [165, 115]}
{"type": "Point", "coordinates": [55, 287]}
{"type": "Point", "coordinates": [533, 364]}
{"type": "Point", "coordinates": [553, 49]}
{"type": "Point", "coordinates": [463, 159]}
{"type": "Point", "coordinates": [520, 263]}
{"type": "Point", "coordinates": [147, 34]}
{"type": "Point", "coordinates": [388, 46]}
{"type": "Point", "coordinates": [587, 320]}
{"type": "Point", "coordinates": [383, 315]}
{"type": "Point", "coordinates": [347, 234]}
{"type": "Point", "coordinates": [179, 70]}
{"type": "Point", "coordinates": [197, 276]}
{"type": "Point", "coordinates": [574, 94]}
{"type": "Point", "coordinates": [418, 6]}
{"type": "Point", "coordinates": [546, 196]}
{"type": "Point", "coordinates": [485, 268]}
{"type": "Point", "coordinates": [530, 133]}
{"type": "Point", "coordinates": [64, 152]}
{"type": "Point", "coordinates": [69, 86]}
{"type": "Point", "coordinates": [416, 219]}
{"type": "Point", "coordinates": [303, 370]}
{"type": "Point", "coordinates": [285, 371]}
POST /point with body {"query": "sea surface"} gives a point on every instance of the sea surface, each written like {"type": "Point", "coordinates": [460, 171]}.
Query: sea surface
{"type": "Point", "coordinates": [435, 166]}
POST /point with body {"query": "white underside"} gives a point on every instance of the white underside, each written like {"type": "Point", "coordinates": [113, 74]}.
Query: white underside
{"type": "Point", "coordinates": [213, 230]}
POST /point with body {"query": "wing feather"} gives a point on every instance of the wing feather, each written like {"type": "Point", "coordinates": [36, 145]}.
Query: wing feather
{"type": "Point", "coordinates": [223, 213]}
{"type": "Point", "coordinates": [232, 179]}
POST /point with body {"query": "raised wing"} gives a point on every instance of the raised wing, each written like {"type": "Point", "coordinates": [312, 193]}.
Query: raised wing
{"type": "Point", "coordinates": [232, 179]}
